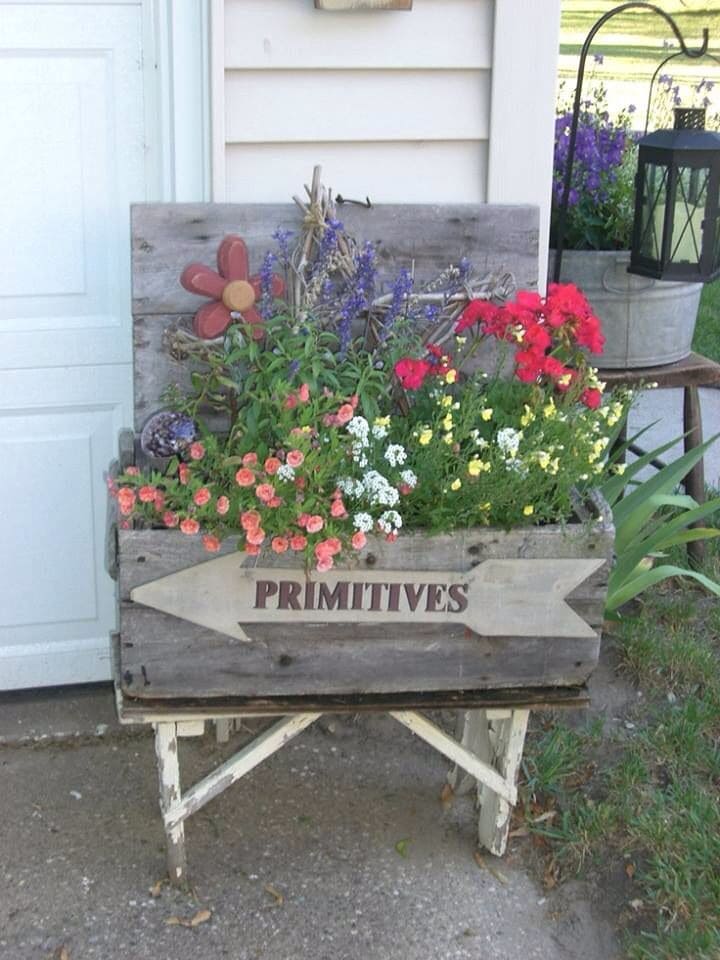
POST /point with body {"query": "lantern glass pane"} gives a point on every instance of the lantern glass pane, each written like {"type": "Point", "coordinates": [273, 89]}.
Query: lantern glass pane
{"type": "Point", "coordinates": [655, 177]}
{"type": "Point", "coordinates": [687, 228]}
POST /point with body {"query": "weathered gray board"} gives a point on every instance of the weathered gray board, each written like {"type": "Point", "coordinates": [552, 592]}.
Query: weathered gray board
{"type": "Point", "coordinates": [163, 656]}
{"type": "Point", "coordinates": [166, 237]}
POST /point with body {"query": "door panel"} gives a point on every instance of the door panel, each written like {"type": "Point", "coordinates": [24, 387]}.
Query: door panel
{"type": "Point", "coordinates": [71, 155]}
{"type": "Point", "coordinates": [72, 160]}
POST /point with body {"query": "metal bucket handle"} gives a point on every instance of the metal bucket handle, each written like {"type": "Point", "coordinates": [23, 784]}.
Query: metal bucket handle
{"type": "Point", "coordinates": [621, 290]}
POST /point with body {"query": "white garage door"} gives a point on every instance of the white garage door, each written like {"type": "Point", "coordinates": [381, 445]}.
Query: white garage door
{"type": "Point", "coordinates": [71, 161]}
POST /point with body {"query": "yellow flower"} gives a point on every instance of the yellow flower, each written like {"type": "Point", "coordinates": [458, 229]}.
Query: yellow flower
{"type": "Point", "coordinates": [486, 413]}
{"type": "Point", "coordinates": [543, 459]}
{"type": "Point", "coordinates": [528, 510]}
{"type": "Point", "coordinates": [448, 438]}
{"type": "Point", "coordinates": [447, 422]}
{"type": "Point", "coordinates": [381, 422]}
{"type": "Point", "coordinates": [554, 466]}
{"type": "Point", "coordinates": [446, 401]}
{"type": "Point", "coordinates": [456, 484]}
{"type": "Point", "coordinates": [564, 381]}
{"type": "Point", "coordinates": [549, 410]}
{"type": "Point", "coordinates": [461, 341]}
{"type": "Point", "coordinates": [484, 506]}
{"type": "Point", "coordinates": [620, 468]}
{"type": "Point", "coordinates": [451, 376]}
{"type": "Point", "coordinates": [477, 466]}
{"type": "Point", "coordinates": [527, 417]}
{"type": "Point", "coordinates": [425, 436]}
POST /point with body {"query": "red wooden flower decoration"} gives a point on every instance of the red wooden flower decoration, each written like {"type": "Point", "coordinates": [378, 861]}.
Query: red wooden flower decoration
{"type": "Point", "coordinates": [231, 289]}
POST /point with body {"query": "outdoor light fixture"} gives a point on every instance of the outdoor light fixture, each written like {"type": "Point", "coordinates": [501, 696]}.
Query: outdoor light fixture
{"type": "Point", "coordinates": [676, 231]}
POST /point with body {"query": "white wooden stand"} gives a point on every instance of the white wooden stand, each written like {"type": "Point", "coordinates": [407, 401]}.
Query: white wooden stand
{"type": "Point", "coordinates": [489, 753]}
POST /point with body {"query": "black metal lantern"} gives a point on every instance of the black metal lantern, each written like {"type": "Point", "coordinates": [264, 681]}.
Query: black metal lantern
{"type": "Point", "coordinates": [676, 232]}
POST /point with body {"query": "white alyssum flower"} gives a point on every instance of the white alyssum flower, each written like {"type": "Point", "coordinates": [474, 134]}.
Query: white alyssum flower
{"type": "Point", "coordinates": [379, 432]}
{"type": "Point", "coordinates": [358, 453]}
{"type": "Point", "coordinates": [286, 472]}
{"type": "Point", "coordinates": [351, 488]}
{"type": "Point", "coordinates": [408, 478]}
{"type": "Point", "coordinates": [395, 455]}
{"type": "Point", "coordinates": [363, 521]}
{"type": "Point", "coordinates": [390, 521]}
{"type": "Point", "coordinates": [508, 439]}
{"type": "Point", "coordinates": [378, 490]}
{"type": "Point", "coordinates": [359, 428]}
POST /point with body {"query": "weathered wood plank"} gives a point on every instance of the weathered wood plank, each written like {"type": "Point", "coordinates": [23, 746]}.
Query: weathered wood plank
{"type": "Point", "coordinates": [147, 555]}
{"type": "Point", "coordinates": [166, 237]}
{"type": "Point", "coordinates": [162, 656]}
{"type": "Point", "coordinates": [131, 710]}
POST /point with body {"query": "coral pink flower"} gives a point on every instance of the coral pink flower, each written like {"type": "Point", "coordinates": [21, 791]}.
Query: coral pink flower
{"type": "Point", "coordinates": [265, 492]}
{"type": "Point", "coordinates": [252, 549]}
{"type": "Point", "coordinates": [291, 402]}
{"type": "Point", "coordinates": [272, 465]}
{"type": "Point", "coordinates": [211, 543]}
{"type": "Point", "coordinates": [405, 489]}
{"type": "Point", "coordinates": [302, 520]}
{"type": "Point", "coordinates": [202, 496]}
{"type": "Point", "coordinates": [250, 519]}
{"type": "Point", "coordinates": [324, 564]}
{"type": "Point", "coordinates": [244, 477]}
{"type": "Point", "coordinates": [197, 450]}
{"type": "Point", "coordinates": [126, 500]}
{"type": "Point", "coordinates": [345, 413]}
{"type": "Point", "coordinates": [275, 502]}
{"type": "Point", "coordinates": [298, 542]}
{"type": "Point", "coordinates": [337, 508]}
{"type": "Point", "coordinates": [159, 501]}
{"type": "Point", "coordinates": [189, 526]}
{"type": "Point", "coordinates": [170, 519]}
{"type": "Point", "coordinates": [333, 545]}
{"type": "Point", "coordinates": [183, 473]}
{"type": "Point", "coordinates": [331, 420]}
{"type": "Point", "coordinates": [354, 399]}
{"type": "Point", "coordinates": [300, 483]}
{"type": "Point", "coordinates": [132, 471]}
{"type": "Point", "coordinates": [146, 494]}
{"type": "Point", "coordinates": [295, 458]}
{"type": "Point", "coordinates": [358, 540]}
{"type": "Point", "coordinates": [279, 544]}
{"type": "Point", "coordinates": [222, 506]}
{"type": "Point", "coordinates": [255, 536]}
{"type": "Point", "coordinates": [249, 460]}
{"type": "Point", "coordinates": [304, 393]}
{"type": "Point", "coordinates": [314, 523]}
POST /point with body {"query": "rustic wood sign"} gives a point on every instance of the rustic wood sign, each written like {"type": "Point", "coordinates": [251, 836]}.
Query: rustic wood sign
{"type": "Point", "coordinates": [496, 598]}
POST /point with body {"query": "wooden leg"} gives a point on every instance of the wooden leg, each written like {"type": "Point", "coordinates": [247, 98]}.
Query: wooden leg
{"type": "Point", "coordinates": [506, 739]}
{"type": "Point", "coordinates": [166, 751]}
{"type": "Point", "coordinates": [472, 731]}
{"type": "Point", "coordinates": [223, 729]}
{"type": "Point", "coordinates": [695, 480]}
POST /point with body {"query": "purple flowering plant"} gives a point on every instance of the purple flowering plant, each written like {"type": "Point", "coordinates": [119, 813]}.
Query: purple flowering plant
{"type": "Point", "coordinates": [601, 196]}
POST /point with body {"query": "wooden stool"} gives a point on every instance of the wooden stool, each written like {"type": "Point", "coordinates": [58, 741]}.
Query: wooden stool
{"type": "Point", "coordinates": [692, 372]}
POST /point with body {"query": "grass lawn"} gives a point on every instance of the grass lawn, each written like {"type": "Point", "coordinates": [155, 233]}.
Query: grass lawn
{"type": "Point", "coordinates": [707, 330]}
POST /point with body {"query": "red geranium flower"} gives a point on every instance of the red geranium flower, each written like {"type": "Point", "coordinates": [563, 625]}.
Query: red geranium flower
{"type": "Point", "coordinates": [411, 373]}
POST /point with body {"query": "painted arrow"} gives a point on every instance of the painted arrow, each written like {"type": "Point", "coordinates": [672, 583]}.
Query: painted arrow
{"type": "Point", "coordinates": [516, 597]}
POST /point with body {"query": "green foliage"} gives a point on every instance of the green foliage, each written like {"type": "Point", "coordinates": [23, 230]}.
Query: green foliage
{"type": "Point", "coordinates": [650, 521]}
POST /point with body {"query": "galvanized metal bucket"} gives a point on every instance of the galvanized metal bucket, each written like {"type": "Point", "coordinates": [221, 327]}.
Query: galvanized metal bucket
{"type": "Point", "coordinates": [646, 322]}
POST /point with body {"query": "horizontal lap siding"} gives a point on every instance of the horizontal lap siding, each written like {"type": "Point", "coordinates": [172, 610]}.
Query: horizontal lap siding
{"type": "Point", "coordinates": [395, 106]}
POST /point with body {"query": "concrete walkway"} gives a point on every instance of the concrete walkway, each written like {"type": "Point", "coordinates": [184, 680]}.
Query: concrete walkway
{"type": "Point", "coordinates": [298, 861]}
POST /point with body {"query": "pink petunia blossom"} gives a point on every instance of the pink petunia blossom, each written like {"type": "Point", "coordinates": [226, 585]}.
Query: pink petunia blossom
{"type": "Point", "coordinates": [222, 506]}
{"type": "Point", "coordinates": [244, 477]}
{"type": "Point", "coordinates": [272, 465]}
{"type": "Point", "coordinates": [189, 526]}
{"type": "Point", "coordinates": [359, 540]}
{"type": "Point", "coordinates": [202, 496]}
{"type": "Point", "coordinates": [314, 524]}
{"type": "Point", "coordinates": [211, 543]}
{"type": "Point", "coordinates": [146, 494]}
{"type": "Point", "coordinates": [279, 544]}
{"type": "Point", "coordinates": [295, 458]}
{"type": "Point", "coordinates": [265, 492]}
{"type": "Point", "coordinates": [170, 519]}
{"type": "Point", "coordinates": [197, 450]}
{"type": "Point", "coordinates": [298, 542]}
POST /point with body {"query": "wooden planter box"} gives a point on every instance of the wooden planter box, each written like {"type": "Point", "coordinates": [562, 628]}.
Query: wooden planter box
{"type": "Point", "coordinates": [477, 610]}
